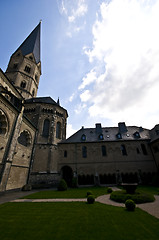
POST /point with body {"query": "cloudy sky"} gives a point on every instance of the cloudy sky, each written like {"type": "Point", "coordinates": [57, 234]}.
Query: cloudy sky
{"type": "Point", "coordinates": [100, 57]}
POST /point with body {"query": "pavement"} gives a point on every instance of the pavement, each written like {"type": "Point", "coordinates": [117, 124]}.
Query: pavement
{"type": "Point", "coordinates": [151, 208]}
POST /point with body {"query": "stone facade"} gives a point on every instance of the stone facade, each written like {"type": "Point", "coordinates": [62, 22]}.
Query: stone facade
{"type": "Point", "coordinates": [33, 144]}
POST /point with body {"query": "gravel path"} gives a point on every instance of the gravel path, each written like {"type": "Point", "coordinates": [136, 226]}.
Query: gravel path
{"type": "Point", "coordinates": [151, 208]}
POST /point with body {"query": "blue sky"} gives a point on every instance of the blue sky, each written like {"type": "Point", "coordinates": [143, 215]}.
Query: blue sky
{"type": "Point", "coordinates": [100, 57]}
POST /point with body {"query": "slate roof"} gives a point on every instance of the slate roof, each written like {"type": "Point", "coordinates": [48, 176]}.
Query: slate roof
{"type": "Point", "coordinates": [48, 100]}
{"type": "Point", "coordinates": [107, 134]}
{"type": "Point", "coordinates": [32, 44]}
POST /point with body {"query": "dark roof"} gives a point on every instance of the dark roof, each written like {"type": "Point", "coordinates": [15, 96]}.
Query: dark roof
{"type": "Point", "coordinates": [48, 100]}
{"type": "Point", "coordinates": [108, 134]}
{"type": "Point", "coordinates": [32, 44]}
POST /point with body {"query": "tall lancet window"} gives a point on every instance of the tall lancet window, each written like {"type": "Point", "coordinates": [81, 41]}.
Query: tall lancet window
{"type": "Point", "coordinates": [58, 130]}
{"type": "Point", "coordinates": [46, 127]}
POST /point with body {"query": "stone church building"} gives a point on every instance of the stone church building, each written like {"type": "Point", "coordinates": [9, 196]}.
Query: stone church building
{"type": "Point", "coordinates": [33, 144]}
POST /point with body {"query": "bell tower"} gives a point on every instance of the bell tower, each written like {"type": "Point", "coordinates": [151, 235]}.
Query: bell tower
{"type": "Point", "coordinates": [24, 68]}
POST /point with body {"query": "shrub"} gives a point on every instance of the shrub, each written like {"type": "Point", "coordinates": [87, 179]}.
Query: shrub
{"type": "Point", "coordinates": [90, 199]}
{"type": "Point", "coordinates": [89, 193]}
{"type": "Point", "coordinates": [27, 187]}
{"type": "Point", "coordinates": [62, 185]}
{"type": "Point", "coordinates": [130, 205]}
{"type": "Point", "coordinates": [138, 197]}
{"type": "Point", "coordinates": [74, 182]}
{"type": "Point", "coordinates": [109, 190]}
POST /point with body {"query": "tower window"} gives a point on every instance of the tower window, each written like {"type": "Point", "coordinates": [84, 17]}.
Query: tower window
{"type": "Point", "coordinates": [27, 69]}
{"type": "Point", "coordinates": [23, 84]}
{"type": "Point", "coordinates": [3, 123]}
{"type": "Point", "coordinates": [143, 149]}
{"type": "Point", "coordinates": [36, 77]}
{"type": "Point", "coordinates": [58, 130]}
{"type": "Point", "coordinates": [33, 92]}
{"type": "Point", "coordinates": [104, 152]}
{"type": "Point", "coordinates": [15, 65]}
{"type": "Point", "coordinates": [84, 152]}
{"type": "Point", "coordinates": [123, 150]}
{"type": "Point", "coordinates": [46, 127]}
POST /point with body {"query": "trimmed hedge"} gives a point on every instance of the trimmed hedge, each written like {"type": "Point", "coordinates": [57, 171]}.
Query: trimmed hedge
{"type": "Point", "coordinates": [89, 193]}
{"type": "Point", "coordinates": [109, 190]}
{"type": "Point", "coordinates": [90, 199]}
{"type": "Point", "coordinates": [62, 185]}
{"type": "Point", "coordinates": [130, 205]}
{"type": "Point", "coordinates": [27, 187]}
{"type": "Point", "coordinates": [138, 197]}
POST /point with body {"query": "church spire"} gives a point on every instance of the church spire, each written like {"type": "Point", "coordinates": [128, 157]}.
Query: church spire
{"type": "Point", "coordinates": [32, 44]}
{"type": "Point", "coordinates": [24, 68]}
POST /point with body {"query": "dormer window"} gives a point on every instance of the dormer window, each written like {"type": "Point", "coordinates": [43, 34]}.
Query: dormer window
{"type": "Point", "coordinates": [101, 137]}
{"type": "Point", "coordinates": [31, 58]}
{"type": "Point", "coordinates": [27, 69]}
{"type": "Point", "coordinates": [119, 136]}
{"type": "Point", "coordinates": [83, 137]}
{"type": "Point", "coordinates": [137, 135]}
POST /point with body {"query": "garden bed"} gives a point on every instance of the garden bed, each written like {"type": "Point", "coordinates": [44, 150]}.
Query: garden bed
{"type": "Point", "coordinates": [137, 197]}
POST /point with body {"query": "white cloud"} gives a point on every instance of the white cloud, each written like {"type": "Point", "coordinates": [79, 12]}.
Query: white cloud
{"type": "Point", "coordinates": [125, 54]}
{"type": "Point", "coordinates": [73, 9]}
{"type": "Point", "coordinates": [85, 96]}
{"type": "Point", "coordinates": [90, 78]}
{"type": "Point", "coordinates": [70, 130]}
{"type": "Point", "coordinates": [79, 108]}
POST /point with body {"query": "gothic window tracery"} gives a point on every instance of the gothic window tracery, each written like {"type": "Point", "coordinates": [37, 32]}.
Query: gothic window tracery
{"type": "Point", "coordinates": [24, 138]}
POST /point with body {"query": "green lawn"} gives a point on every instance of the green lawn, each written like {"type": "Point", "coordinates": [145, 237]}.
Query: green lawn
{"type": "Point", "coordinates": [81, 192]}
{"type": "Point", "coordinates": [75, 221]}
{"type": "Point", "coordinates": [70, 193]}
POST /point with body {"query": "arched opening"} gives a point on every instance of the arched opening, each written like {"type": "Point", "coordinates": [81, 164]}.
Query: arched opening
{"type": "Point", "coordinates": [67, 175]}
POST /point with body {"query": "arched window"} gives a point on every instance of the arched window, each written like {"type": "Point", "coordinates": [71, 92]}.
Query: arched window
{"type": "Point", "coordinates": [84, 151]}
{"type": "Point", "coordinates": [24, 138]}
{"type": "Point", "coordinates": [123, 150]}
{"type": "Point", "coordinates": [3, 123]}
{"type": "Point", "coordinates": [46, 127]}
{"type": "Point", "coordinates": [65, 153]}
{"type": "Point", "coordinates": [58, 130]}
{"type": "Point", "coordinates": [143, 149]}
{"type": "Point", "coordinates": [23, 84]}
{"type": "Point", "coordinates": [104, 152]}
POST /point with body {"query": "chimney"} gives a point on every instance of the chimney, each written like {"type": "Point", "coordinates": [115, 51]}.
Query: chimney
{"type": "Point", "coordinates": [122, 127]}
{"type": "Point", "coordinates": [98, 128]}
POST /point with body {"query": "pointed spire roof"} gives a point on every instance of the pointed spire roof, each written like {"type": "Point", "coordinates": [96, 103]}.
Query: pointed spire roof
{"type": "Point", "coordinates": [32, 44]}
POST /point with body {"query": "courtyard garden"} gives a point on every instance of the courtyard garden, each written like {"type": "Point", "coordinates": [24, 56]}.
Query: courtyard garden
{"type": "Point", "coordinates": [75, 220]}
